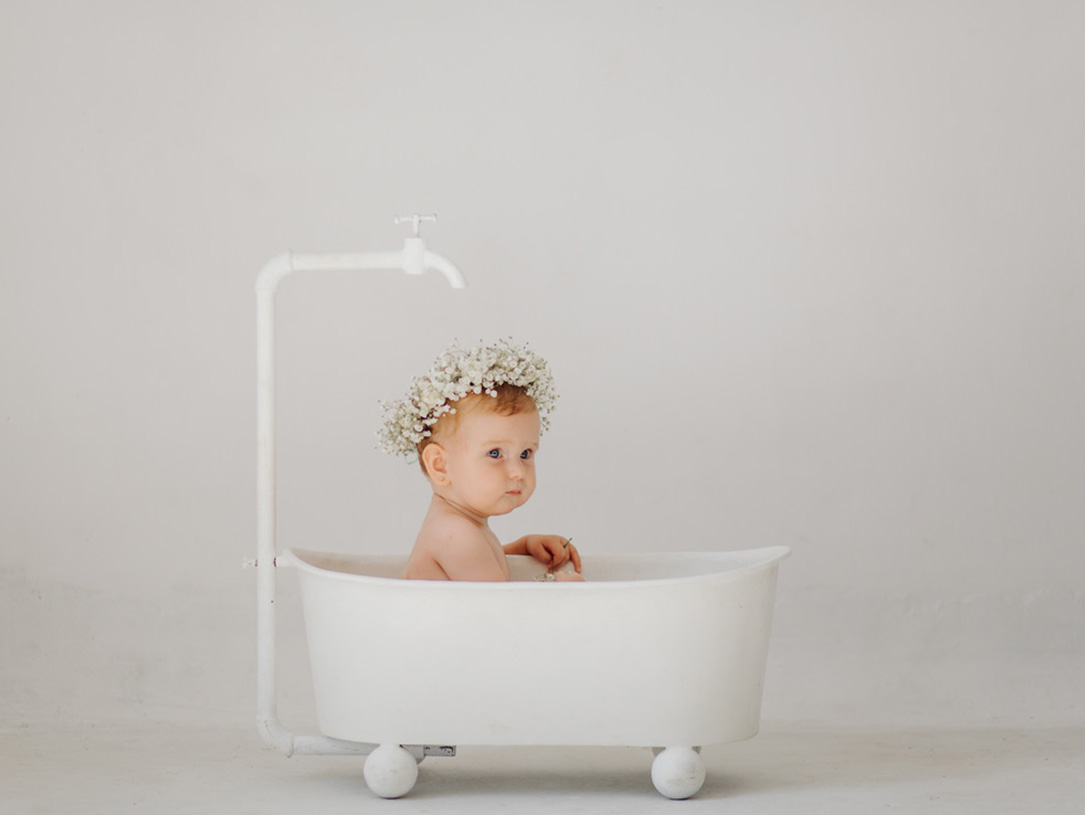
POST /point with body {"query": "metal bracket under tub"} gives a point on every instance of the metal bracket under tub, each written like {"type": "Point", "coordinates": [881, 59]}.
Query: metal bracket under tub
{"type": "Point", "coordinates": [443, 750]}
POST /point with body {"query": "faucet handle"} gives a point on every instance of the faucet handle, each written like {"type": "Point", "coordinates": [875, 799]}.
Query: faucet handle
{"type": "Point", "coordinates": [416, 220]}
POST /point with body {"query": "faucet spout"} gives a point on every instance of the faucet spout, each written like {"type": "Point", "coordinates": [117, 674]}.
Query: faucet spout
{"type": "Point", "coordinates": [446, 267]}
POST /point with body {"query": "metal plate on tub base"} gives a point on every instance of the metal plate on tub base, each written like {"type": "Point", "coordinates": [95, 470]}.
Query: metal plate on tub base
{"type": "Point", "coordinates": [446, 750]}
{"type": "Point", "coordinates": [420, 751]}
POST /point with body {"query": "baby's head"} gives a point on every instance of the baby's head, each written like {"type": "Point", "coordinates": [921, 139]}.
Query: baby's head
{"type": "Point", "coordinates": [481, 458]}
{"type": "Point", "coordinates": [510, 400]}
{"type": "Point", "coordinates": [500, 380]}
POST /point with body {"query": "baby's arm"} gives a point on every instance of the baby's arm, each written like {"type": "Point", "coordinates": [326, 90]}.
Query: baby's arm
{"type": "Point", "coordinates": [553, 550]}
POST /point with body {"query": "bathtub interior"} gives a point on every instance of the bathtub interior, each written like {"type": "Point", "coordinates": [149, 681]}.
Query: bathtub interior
{"type": "Point", "coordinates": [601, 568]}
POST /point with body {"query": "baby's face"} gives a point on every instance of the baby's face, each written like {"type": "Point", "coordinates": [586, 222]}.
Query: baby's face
{"type": "Point", "coordinates": [491, 461]}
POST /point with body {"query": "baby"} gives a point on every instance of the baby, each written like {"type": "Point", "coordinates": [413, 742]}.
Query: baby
{"type": "Point", "coordinates": [474, 422]}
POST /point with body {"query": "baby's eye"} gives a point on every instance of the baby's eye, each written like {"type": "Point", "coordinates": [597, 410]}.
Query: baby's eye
{"type": "Point", "coordinates": [495, 453]}
{"type": "Point", "coordinates": [526, 454]}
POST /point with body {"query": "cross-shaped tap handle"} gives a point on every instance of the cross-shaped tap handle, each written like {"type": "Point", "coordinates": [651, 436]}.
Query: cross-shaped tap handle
{"type": "Point", "coordinates": [416, 221]}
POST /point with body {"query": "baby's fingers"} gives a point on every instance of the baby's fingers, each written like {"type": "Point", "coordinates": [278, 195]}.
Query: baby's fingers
{"type": "Point", "coordinates": [553, 547]}
{"type": "Point", "coordinates": [574, 556]}
{"type": "Point", "coordinates": [568, 553]}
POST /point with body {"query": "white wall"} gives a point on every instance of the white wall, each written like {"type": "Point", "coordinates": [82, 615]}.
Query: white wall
{"type": "Point", "coordinates": [807, 273]}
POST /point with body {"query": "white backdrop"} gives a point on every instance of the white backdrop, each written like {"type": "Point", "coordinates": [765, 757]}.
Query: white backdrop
{"type": "Point", "coordinates": [807, 274]}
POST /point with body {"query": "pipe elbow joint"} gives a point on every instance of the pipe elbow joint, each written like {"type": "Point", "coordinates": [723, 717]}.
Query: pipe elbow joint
{"type": "Point", "coordinates": [274, 271]}
{"type": "Point", "coordinates": [274, 734]}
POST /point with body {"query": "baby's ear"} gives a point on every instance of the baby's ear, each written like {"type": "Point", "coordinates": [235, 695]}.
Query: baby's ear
{"type": "Point", "coordinates": [433, 459]}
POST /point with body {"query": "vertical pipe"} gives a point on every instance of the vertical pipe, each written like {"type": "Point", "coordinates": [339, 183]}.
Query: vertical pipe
{"type": "Point", "coordinates": [267, 717]}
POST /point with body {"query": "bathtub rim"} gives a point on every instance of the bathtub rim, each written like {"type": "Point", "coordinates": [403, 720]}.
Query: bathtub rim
{"type": "Point", "coordinates": [771, 556]}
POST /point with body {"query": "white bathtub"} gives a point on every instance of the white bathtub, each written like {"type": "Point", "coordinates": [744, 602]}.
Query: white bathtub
{"type": "Point", "coordinates": [655, 650]}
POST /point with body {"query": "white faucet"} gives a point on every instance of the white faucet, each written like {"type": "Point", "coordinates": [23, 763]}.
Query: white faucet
{"type": "Point", "coordinates": [415, 259]}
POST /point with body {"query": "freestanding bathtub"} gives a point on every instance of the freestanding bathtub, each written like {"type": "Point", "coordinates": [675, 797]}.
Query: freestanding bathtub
{"type": "Point", "coordinates": [664, 650]}
{"type": "Point", "coordinates": [656, 650]}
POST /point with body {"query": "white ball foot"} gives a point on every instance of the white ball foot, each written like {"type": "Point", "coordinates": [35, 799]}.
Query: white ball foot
{"type": "Point", "coordinates": [390, 771]}
{"type": "Point", "coordinates": [678, 772]}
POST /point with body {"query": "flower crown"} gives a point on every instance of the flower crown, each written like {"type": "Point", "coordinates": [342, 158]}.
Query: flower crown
{"type": "Point", "coordinates": [454, 375]}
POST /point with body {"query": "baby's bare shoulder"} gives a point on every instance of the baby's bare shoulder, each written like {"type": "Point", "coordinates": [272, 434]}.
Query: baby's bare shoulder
{"type": "Point", "coordinates": [450, 535]}
{"type": "Point", "coordinates": [464, 551]}
{"type": "Point", "coordinates": [441, 543]}
{"type": "Point", "coordinates": [452, 529]}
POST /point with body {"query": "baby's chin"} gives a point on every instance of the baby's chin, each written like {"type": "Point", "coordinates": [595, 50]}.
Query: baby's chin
{"type": "Point", "coordinates": [510, 502]}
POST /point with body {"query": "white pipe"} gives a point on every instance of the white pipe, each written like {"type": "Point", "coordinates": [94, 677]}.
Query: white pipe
{"type": "Point", "coordinates": [267, 720]}
{"type": "Point", "coordinates": [414, 259]}
{"type": "Point", "coordinates": [324, 746]}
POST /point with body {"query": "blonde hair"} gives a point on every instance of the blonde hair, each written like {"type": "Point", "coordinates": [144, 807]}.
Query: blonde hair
{"type": "Point", "coordinates": [510, 400]}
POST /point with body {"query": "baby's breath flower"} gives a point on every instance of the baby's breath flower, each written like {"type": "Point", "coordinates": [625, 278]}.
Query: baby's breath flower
{"type": "Point", "coordinates": [455, 374]}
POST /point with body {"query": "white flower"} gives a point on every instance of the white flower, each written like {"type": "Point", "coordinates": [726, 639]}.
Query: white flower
{"type": "Point", "coordinates": [456, 373]}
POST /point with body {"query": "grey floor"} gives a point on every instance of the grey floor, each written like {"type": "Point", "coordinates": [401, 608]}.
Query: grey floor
{"type": "Point", "coordinates": [168, 768]}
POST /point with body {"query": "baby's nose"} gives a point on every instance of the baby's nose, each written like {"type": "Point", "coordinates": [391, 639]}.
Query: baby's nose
{"type": "Point", "coordinates": [516, 468]}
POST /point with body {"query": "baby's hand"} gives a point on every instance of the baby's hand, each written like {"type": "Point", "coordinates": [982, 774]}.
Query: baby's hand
{"type": "Point", "coordinates": [568, 577]}
{"type": "Point", "coordinates": [553, 550]}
